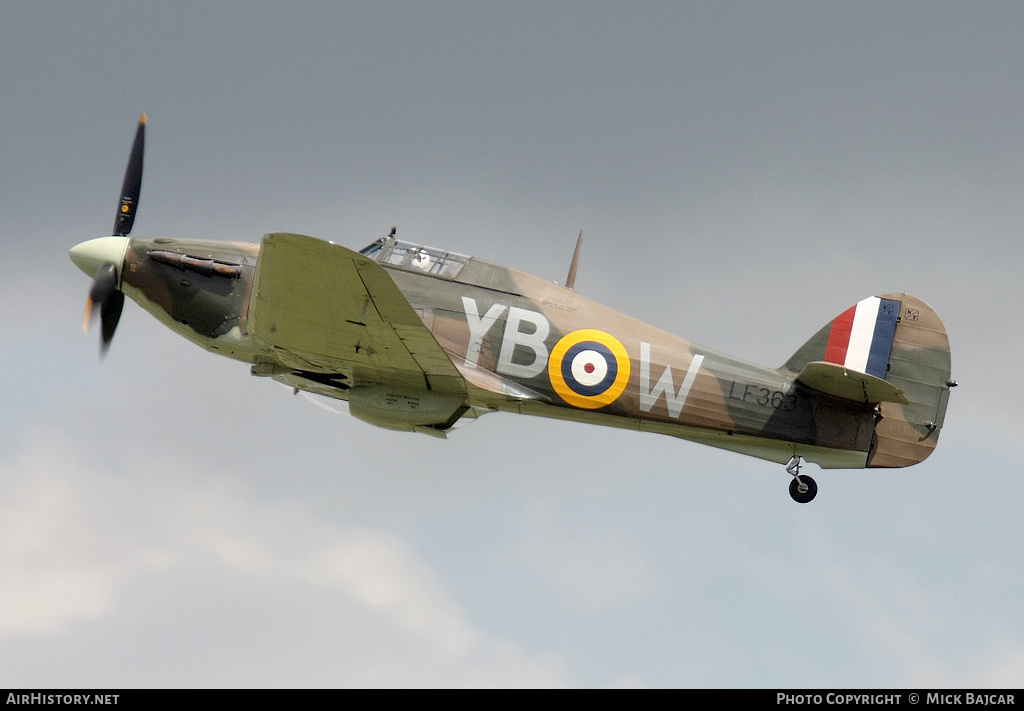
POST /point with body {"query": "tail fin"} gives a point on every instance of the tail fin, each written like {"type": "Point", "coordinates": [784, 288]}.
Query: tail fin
{"type": "Point", "coordinates": [898, 339]}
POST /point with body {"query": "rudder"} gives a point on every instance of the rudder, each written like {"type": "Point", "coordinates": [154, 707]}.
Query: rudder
{"type": "Point", "coordinates": [920, 366]}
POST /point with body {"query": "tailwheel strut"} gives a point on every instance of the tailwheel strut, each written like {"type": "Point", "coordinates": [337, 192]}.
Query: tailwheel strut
{"type": "Point", "coordinates": [803, 488]}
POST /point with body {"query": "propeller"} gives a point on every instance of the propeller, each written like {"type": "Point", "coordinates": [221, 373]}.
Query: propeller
{"type": "Point", "coordinates": [104, 294]}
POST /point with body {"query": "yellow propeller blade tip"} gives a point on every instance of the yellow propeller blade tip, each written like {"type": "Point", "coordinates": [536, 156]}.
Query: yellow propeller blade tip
{"type": "Point", "coordinates": [88, 315]}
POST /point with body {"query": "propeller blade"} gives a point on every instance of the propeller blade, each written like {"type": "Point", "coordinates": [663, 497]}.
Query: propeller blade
{"type": "Point", "coordinates": [109, 251]}
{"type": "Point", "coordinates": [110, 314]}
{"type": "Point", "coordinates": [132, 184]}
{"type": "Point", "coordinates": [105, 296]}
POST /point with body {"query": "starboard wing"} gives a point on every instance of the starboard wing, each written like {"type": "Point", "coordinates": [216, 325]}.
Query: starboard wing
{"type": "Point", "coordinates": [324, 308]}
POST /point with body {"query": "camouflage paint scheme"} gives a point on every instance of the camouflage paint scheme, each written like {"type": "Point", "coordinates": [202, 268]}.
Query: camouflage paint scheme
{"type": "Point", "coordinates": [423, 340]}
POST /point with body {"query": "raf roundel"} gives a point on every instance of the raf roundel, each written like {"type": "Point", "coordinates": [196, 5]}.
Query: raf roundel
{"type": "Point", "coordinates": [589, 368]}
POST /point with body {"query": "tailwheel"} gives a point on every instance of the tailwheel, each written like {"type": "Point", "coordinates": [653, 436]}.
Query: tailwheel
{"type": "Point", "coordinates": [803, 489]}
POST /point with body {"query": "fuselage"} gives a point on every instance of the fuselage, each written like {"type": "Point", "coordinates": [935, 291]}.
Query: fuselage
{"type": "Point", "coordinates": [523, 345]}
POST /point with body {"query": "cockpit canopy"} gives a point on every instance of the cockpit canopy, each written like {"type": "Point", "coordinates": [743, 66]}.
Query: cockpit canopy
{"type": "Point", "coordinates": [415, 258]}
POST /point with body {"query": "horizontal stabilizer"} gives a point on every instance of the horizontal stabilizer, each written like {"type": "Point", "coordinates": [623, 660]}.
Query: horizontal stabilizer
{"type": "Point", "coordinates": [848, 384]}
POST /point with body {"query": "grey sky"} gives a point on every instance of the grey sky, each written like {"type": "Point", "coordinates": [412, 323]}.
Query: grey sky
{"type": "Point", "coordinates": [743, 173]}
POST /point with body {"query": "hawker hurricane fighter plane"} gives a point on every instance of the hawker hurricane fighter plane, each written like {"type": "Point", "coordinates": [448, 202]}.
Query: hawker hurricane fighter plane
{"type": "Point", "coordinates": [425, 340]}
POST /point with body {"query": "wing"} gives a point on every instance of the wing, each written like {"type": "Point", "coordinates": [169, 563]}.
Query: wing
{"type": "Point", "coordinates": [326, 309]}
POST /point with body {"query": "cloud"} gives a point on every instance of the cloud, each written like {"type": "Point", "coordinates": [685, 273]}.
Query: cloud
{"type": "Point", "coordinates": [593, 572]}
{"type": "Point", "coordinates": [998, 665]}
{"type": "Point", "coordinates": [84, 549]}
